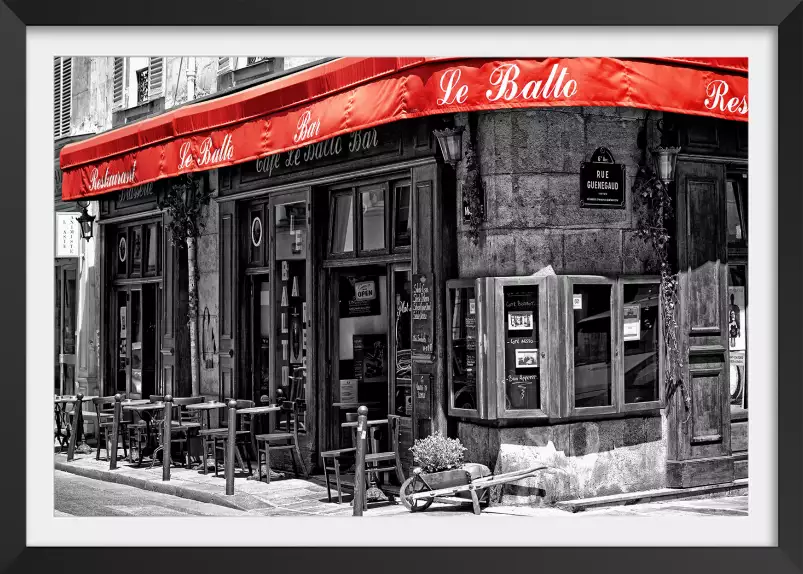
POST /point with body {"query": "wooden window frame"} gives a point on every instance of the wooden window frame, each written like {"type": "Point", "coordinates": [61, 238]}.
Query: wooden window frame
{"type": "Point", "coordinates": [569, 281]}
{"type": "Point", "coordinates": [481, 393]}
{"type": "Point", "coordinates": [497, 371]}
{"type": "Point", "coordinates": [393, 185]}
{"type": "Point", "coordinates": [333, 195]}
{"type": "Point", "coordinates": [620, 383]}
{"type": "Point", "coordinates": [359, 228]}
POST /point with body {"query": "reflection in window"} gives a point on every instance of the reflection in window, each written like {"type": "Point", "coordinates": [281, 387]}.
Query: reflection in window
{"type": "Point", "coordinates": [737, 334]}
{"type": "Point", "coordinates": [592, 345]}
{"type": "Point", "coordinates": [640, 340]}
{"type": "Point", "coordinates": [151, 246]}
{"type": "Point", "coordinates": [403, 334]}
{"type": "Point", "coordinates": [463, 324]}
{"type": "Point", "coordinates": [136, 250]}
{"type": "Point", "coordinates": [522, 348]}
{"type": "Point", "coordinates": [736, 215]}
{"type": "Point", "coordinates": [291, 230]}
{"type": "Point", "coordinates": [343, 228]}
{"type": "Point", "coordinates": [372, 208]}
{"type": "Point", "coordinates": [401, 203]}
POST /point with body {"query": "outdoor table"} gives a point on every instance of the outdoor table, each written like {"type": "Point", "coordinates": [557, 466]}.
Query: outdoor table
{"type": "Point", "coordinates": [141, 408]}
{"type": "Point", "coordinates": [265, 409]}
{"type": "Point", "coordinates": [208, 407]}
{"type": "Point", "coordinates": [372, 492]}
{"type": "Point", "coordinates": [60, 405]}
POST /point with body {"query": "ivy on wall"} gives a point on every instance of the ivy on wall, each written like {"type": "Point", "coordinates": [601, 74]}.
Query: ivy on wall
{"type": "Point", "coordinates": [654, 211]}
{"type": "Point", "coordinates": [472, 184]}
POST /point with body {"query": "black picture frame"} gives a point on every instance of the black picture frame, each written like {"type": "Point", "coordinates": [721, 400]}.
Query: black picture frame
{"type": "Point", "coordinates": [786, 15]}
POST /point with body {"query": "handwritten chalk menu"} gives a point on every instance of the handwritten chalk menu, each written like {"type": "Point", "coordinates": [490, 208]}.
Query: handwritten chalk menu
{"type": "Point", "coordinates": [359, 296]}
{"type": "Point", "coordinates": [422, 385]}
{"type": "Point", "coordinates": [522, 347]}
{"type": "Point", "coordinates": [422, 314]}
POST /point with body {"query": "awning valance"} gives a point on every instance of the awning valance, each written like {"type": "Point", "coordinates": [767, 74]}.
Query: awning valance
{"type": "Point", "coordinates": [350, 94]}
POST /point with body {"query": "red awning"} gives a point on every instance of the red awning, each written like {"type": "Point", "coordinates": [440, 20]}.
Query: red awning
{"type": "Point", "coordinates": [350, 94]}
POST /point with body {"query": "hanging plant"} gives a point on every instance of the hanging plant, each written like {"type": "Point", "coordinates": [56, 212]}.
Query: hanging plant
{"type": "Point", "coordinates": [472, 185]}
{"type": "Point", "coordinates": [653, 207]}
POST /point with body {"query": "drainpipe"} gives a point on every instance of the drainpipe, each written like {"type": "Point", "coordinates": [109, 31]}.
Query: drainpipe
{"type": "Point", "coordinates": [190, 79]}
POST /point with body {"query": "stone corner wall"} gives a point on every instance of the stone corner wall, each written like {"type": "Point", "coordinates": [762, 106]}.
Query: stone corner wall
{"type": "Point", "coordinates": [530, 167]}
{"type": "Point", "coordinates": [586, 459]}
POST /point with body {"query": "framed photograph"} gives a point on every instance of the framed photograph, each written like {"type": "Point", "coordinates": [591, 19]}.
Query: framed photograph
{"type": "Point", "coordinates": [526, 358]}
{"type": "Point", "coordinates": [520, 321]}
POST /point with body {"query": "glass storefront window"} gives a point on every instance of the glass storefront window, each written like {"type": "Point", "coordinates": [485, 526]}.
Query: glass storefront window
{"type": "Point", "coordinates": [403, 404]}
{"type": "Point", "coordinates": [151, 248]}
{"type": "Point", "coordinates": [640, 325]}
{"type": "Point", "coordinates": [136, 250]}
{"type": "Point", "coordinates": [136, 341]}
{"type": "Point", "coordinates": [462, 323]}
{"type": "Point", "coordinates": [343, 226]}
{"type": "Point", "coordinates": [522, 365]}
{"type": "Point", "coordinates": [372, 209]}
{"type": "Point", "coordinates": [591, 306]}
{"type": "Point", "coordinates": [736, 210]}
{"type": "Point", "coordinates": [737, 334]}
{"type": "Point", "coordinates": [290, 293]}
{"type": "Point", "coordinates": [401, 220]}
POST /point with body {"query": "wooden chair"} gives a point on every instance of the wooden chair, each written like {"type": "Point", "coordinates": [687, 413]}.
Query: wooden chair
{"type": "Point", "coordinates": [387, 462]}
{"type": "Point", "coordinates": [186, 424]}
{"type": "Point", "coordinates": [217, 439]}
{"type": "Point", "coordinates": [104, 421]}
{"type": "Point", "coordinates": [144, 429]}
{"type": "Point", "coordinates": [285, 437]}
{"type": "Point", "coordinates": [332, 460]}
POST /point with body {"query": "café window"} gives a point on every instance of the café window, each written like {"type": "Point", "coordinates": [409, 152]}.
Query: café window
{"type": "Point", "coordinates": [370, 219]}
{"type": "Point", "coordinates": [736, 196]}
{"type": "Point", "coordinates": [136, 250]}
{"type": "Point", "coordinates": [553, 347]}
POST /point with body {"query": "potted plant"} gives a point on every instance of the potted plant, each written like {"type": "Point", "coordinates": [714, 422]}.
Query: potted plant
{"type": "Point", "coordinates": [439, 464]}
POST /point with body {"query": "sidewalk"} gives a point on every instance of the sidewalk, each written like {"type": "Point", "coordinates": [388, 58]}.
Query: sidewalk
{"type": "Point", "coordinates": [289, 496]}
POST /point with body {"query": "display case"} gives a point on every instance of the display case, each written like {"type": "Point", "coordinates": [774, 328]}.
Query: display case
{"type": "Point", "coordinates": [553, 347]}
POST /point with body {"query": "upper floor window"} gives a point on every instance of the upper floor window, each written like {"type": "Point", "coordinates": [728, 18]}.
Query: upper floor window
{"type": "Point", "coordinates": [136, 81]}
{"type": "Point", "coordinates": [62, 96]}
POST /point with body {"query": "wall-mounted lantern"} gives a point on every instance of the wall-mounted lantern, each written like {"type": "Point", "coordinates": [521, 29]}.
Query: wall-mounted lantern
{"type": "Point", "coordinates": [85, 221]}
{"type": "Point", "coordinates": [451, 143]}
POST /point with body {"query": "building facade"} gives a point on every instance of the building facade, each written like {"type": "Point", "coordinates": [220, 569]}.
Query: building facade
{"type": "Point", "coordinates": [355, 267]}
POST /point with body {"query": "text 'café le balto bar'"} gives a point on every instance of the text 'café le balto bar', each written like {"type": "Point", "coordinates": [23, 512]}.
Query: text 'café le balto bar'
{"type": "Point", "coordinates": [455, 241]}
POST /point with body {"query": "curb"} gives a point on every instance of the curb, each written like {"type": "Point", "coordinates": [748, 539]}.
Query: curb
{"type": "Point", "coordinates": [157, 486]}
{"type": "Point", "coordinates": [735, 488]}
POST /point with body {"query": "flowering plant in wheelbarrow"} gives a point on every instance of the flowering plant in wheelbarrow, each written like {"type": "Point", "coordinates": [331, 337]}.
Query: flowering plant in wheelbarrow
{"type": "Point", "coordinates": [439, 465]}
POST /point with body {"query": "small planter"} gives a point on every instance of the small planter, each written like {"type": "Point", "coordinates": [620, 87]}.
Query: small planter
{"type": "Point", "coordinates": [444, 479]}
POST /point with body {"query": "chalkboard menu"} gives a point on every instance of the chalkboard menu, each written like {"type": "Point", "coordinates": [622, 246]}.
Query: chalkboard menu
{"type": "Point", "coordinates": [422, 314]}
{"type": "Point", "coordinates": [422, 386]}
{"type": "Point", "coordinates": [521, 347]}
{"type": "Point", "coordinates": [359, 296]}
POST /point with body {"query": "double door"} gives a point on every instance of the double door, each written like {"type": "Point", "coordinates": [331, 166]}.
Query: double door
{"type": "Point", "coordinates": [136, 329]}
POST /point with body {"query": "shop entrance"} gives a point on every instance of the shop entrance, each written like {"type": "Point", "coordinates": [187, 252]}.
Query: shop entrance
{"type": "Point", "coordinates": [136, 331]}
{"type": "Point", "coordinates": [66, 307]}
{"type": "Point", "coordinates": [369, 350]}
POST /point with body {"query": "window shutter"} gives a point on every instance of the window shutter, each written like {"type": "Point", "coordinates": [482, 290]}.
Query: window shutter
{"type": "Point", "coordinates": [223, 64]}
{"type": "Point", "coordinates": [66, 95]}
{"type": "Point", "coordinates": [118, 91]}
{"type": "Point", "coordinates": [155, 78]}
{"type": "Point", "coordinates": [56, 97]}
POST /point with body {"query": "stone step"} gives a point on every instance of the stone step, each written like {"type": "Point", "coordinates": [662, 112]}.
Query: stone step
{"type": "Point", "coordinates": [737, 487]}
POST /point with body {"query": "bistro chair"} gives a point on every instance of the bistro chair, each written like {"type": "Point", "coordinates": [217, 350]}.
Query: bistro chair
{"type": "Point", "coordinates": [143, 430]}
{"type": "Point", "coordinates": [379, 464]}
{"type": "Point", "coordinates": [104, 421]}
{"type": "Point", "coordinates": [186, 424]}
{"type": "Point", "coordinates": [218, 438]}
{"type": "Point", "coordinates": [332, 461]}
{"type": "Point", "coordinates": [285, 437]}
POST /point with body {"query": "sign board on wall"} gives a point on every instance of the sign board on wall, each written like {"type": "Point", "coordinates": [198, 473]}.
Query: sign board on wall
{"type": "Point", "coordinates": [602, 182]}
{"type": "Point", "coordinates": [423, 327]}
{"type": "Point", "coordinates": [422, 386]}
{"type": "Point", "coordinates": [68, 234]}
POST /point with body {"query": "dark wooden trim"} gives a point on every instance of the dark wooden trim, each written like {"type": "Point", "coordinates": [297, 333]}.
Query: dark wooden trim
{"type": "Point", "coordinates": [739, 161]}
{"type": "Point", "coordinates": [130, 217]}
{"type": "Point", "coordinates": [372, 260]}
{"type": "Point", "coordinates": [699, 472]}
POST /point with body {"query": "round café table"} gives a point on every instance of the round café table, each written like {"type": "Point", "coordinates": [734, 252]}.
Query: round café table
{"type": "Point", "coordinates": [141, 406]}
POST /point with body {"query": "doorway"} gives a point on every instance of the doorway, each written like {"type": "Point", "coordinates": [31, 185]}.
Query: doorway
{"type": "Point", "coordinates": [369, 346]}
{"type": "Point", "coordinates": [66, 328]}
{"type": "Point", "coordinates": [136, 340]}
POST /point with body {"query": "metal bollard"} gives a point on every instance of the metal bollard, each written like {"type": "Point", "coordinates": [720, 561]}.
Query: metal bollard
{"type": "Point", "coordinates": [118, 408]}
{"type": "Point", "coordinates": [232, 434]}
{"type": "Point", "coordinates": [166, 436]}
{"type": "Point", "coordinates": [76, 427]}
{"type": "Point", "coordinates": [359, 472]}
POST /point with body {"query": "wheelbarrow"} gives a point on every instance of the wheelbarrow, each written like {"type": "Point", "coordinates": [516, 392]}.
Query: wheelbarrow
{"type": "Point", "coordinates": [457, 486]}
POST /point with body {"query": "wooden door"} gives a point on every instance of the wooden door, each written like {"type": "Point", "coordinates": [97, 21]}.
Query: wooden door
{"type": "Point", "coordinates": [227, 308]}
{"type": "Point", "coordinates": [699, 449]}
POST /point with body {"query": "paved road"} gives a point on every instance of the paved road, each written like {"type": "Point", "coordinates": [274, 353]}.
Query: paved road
{"type": "Point", "coordinates": [79, 496]}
